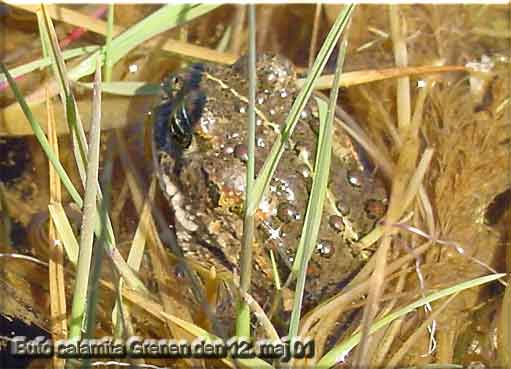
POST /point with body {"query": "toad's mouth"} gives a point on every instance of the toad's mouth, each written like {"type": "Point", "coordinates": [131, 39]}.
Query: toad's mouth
{"type": "Point", "coordinates": [218, 254]}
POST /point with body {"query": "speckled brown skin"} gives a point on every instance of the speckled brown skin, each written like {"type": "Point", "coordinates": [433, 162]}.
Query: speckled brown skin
{"type": "Point", "coordinates": [204, 178]}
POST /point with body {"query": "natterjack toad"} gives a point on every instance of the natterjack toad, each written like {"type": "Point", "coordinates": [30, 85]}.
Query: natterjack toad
{"type": "Point", "coordinates": [200, 153]}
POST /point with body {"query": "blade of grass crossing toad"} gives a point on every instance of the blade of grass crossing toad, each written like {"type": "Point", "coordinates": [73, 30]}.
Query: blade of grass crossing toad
{"type": "Point", "coordinates": [243, 318]}
{"type": "Point", "coordinates": [326, 114]}
{"type": "Point", "coordinates": [342, 349]}
{"type": "Point", "coordinates": [316, 202]}
{"type": "Point", "coordinates": [266, 173]}
{"type": "Point", "coordinates": [89, 217]}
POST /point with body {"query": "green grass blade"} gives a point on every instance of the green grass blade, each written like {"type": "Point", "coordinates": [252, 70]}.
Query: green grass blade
{"type": "Point", "coordinates": [79, 305]}
{"type": "Point", "coordinates": [65, 231]}
{"type": "Point", "coordinates": [316, 202]}
{"type": "Point", "coordinates": [45, 62]}
{"type": "Point", "coordinates": [264, 176]}
{"type": "Point", "coordinates": [334, 355]}
{"type": "Point", "coordinates": [44, 40]}
{"type": "Point", "coordinates": [49, 35]}
{"type": "Point", "coordinates": [313, 214]}
{"type": "Point", "coordinates": [167, 17]}
{"type": "Point", "coordinates": [99, 252]}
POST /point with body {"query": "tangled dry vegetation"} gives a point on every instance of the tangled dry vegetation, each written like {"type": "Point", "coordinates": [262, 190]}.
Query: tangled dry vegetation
{"type": "Point", "coordinates": [443, 149]}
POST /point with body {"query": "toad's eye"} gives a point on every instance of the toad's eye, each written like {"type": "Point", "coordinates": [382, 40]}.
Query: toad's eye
{"type": "Point", "coordinates": [172, 86]}
{"type": "Point", "coordinates": [185, 114]}
{"type": "Point", "coordinates": [177, 85]}
{"type": "Point", "coordinates": [182, 83]}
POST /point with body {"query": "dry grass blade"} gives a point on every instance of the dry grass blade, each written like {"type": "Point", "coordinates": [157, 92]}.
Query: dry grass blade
{"type": "Point", "coordinates": [416, 180]}
{"type": "Point", "coordinates": [335, 306]}
{"type": "Point", "coordinates": [337, 353]}
{"type": "Point", "coordinates": [401, 59]}
{"type": "Point", "coordinates": [89, 216]}
{"type": "Point", "coordinates": [80, 150]}
{"type": "Point", "coordinates": [399, 355]}
{"type": "Point", "coordinates": [56, 261]}
{"type": "Point", "coordinates": [13, 121]}
{"type": "Point", "coordinates": [314, 36]}
{"type": "Point", "coordinates": [402, 174]}
{"type": "Point", "coordinates": [387, 336]}
{"type": "Point", "coordinates": [75, 18]}
{"type": "Point", "coordinates": [372, 75]}
{"type": "Point", "coordinates": [237, 28]}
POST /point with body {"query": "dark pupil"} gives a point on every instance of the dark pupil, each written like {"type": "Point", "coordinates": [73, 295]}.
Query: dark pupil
{"type": "Point", "coordinates": [176, 86]}
{"type": "Point", "coordinates": [181, 125]}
